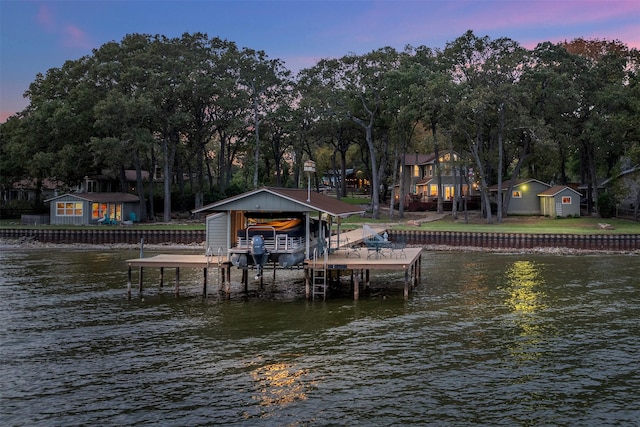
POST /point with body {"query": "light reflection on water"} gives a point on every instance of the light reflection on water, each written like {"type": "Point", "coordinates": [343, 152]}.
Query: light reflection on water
{"type": "Point", "coordinates": [487, 339]}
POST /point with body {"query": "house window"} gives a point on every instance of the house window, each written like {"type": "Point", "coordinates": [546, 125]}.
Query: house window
{"type": "Point", "coordinates": [516, 194]}
{"type": "Point", "coordinates": [433, 190]}
{"type": "Point", "coordinates": [449, 193]}
{"type": "Point", "coordinates": [98, 210]}
{"type": "Point", "coordinates": [69, 209]}
{"type": "Point", "coordinates": [566, 200]}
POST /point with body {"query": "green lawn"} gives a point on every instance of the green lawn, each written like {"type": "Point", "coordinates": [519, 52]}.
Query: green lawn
{"type": "Point", "coordinates": [521, 224]}
{"type": "Point", "coordinates": [533, 225]}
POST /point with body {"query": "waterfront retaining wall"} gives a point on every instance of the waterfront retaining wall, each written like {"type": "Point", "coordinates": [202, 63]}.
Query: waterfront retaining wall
{"type": "Point", "coordinates": [614, 242]}
{"type": "Point", "coordinates": [106, 236]}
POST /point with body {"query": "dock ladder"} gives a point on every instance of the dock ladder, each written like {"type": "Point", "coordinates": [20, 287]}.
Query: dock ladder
{"type": "Point", "coordinates": [319, 275]}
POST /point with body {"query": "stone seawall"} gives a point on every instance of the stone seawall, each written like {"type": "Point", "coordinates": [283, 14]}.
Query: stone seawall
{"type": "Point", "coordinates": [613, 242]}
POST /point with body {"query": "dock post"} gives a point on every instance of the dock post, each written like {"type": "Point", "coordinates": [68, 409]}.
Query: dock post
{"type": "Point", "coordinates": [228, 282]}
{"type": "Point", "coordinates": [140, 280]}
{"type": "Point", "coordinates": [356, 285]}
{"type": "Point", "coordinates": [161, 277]}
{"type": "Point", "coordinates": [204, 284]}
{"type": "Point", "coordinates": [129, 284]}
{"type": "Point", "coordinates": [307, 287]}
{"type": "Point", "coordinates": [406, 284]}
{"type": "Point", "coordinates": [177, 282]}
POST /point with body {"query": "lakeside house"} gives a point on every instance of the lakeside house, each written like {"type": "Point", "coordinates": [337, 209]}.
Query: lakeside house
{"type": "Point", "coordinates": [420, 178]}
{"type": "Point", "coordinates": [93, 208]}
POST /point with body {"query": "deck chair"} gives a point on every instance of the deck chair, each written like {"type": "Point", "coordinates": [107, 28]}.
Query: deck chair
{"type": "Point", "coordinates": [351, 249]}
{"type": "Point", "coordinates": [104, 220]}
{"type": "Point", "coordinates": [133, 217]}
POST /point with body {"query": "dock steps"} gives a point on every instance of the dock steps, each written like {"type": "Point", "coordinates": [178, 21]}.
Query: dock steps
{"type": "Point", "coordinates": [319, 275]}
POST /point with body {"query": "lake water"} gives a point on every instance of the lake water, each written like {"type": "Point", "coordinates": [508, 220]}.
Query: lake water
{"type": "Point", "coordinates": [486, 339]}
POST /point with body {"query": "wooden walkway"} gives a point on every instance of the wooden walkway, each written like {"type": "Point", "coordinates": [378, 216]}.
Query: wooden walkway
{"type": "Point", "coordinates": [350, 256]}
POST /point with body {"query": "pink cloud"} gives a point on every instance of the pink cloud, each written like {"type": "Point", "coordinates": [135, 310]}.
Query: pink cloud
{"type": "Point", "coordinates": [75, 37]}
{"type": "Point", "coordinates": [45, 18]}
{"type": "Point", "coordinates": [71, 35]}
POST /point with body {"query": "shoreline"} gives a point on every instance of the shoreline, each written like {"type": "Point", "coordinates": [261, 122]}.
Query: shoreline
{"type": "Point", "coordinates": [30, 244]}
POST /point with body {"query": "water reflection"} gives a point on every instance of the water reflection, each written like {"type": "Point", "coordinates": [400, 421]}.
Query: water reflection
{"type": "Point", "coordinates": [526, 300]}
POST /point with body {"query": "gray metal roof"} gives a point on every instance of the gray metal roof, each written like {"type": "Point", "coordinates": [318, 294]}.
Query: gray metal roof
{"type": "Point", "coordinates": [283, 199]}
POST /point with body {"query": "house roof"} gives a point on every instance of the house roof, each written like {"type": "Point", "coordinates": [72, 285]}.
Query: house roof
{"type": "Point", "coordinates": [418, 159]}
{"type": "Point", "coordinates": [516, 183]}
{"type": "Point", "coordinates": [555, 190]}
{"type": "Point", "coordinates": [100, 197]}
{"type": "Point", "coordinates": [317, 202]}
{"type": "Point", "coordinates": [621, 174]}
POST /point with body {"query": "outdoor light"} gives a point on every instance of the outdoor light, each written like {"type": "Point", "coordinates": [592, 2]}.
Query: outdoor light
{"type": "Point", "coordinates": [309, 168]}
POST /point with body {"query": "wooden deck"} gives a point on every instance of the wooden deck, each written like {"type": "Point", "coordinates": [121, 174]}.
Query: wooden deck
{"type": "Point", "coordinates": [359, 260]}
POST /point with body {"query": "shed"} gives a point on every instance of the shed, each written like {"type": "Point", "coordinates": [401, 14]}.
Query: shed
{"type": "Point", "coordinates": [524, 196]}
{"type": "Point", "coordinates": [230, 215]}
{"type": "Point", "coordinates": [559, 201]}
{"type": "Point", "coordinates": [89, 208]}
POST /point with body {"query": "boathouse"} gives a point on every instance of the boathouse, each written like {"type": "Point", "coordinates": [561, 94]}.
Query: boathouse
{"type": "Point", "coordinates": [230, 232]}
{"type": "Point", "coordinates": [229, 216]}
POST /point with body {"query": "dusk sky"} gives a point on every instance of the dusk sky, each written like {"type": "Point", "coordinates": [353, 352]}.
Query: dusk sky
{"type": "Point", "coordinates": [39, 35]}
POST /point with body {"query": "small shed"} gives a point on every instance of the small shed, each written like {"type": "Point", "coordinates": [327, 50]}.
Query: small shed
{"type": "Point", "coordinates": [560, 201]}
{"type": "Point", "coordinates": [90, 208]}
{"type": "Point", "coordinates": [230, 215]}
{"type": "Point", "coordinates": [524, 196]}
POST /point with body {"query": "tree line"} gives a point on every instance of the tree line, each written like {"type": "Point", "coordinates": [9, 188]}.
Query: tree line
{"type": "Point", "coordinates": [215, 119]}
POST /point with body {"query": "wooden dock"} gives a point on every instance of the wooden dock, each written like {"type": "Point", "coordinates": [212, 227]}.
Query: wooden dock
{"type": "Point", "coordinates": [360, 262]}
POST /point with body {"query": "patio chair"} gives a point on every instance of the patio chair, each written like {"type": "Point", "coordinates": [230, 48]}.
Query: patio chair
{"type": "Point", "coordinates": [351, 249]}
{"type": "Point", "coordinates": [133, 217]}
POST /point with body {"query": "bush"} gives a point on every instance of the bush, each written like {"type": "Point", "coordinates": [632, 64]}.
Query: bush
{"type": "Point", "coordinates": [606, 205]}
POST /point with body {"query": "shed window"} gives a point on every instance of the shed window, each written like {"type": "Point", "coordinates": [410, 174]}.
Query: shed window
{"type": "Point", "coordinates": [566, 200]}
{"type": "Point", "coordinates": [516, 194]}
{"type": "Point", "coordinates": [69, 209]}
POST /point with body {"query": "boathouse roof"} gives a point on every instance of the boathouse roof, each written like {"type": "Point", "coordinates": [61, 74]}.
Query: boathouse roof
{"type": "Point", "coordinates": [271, 199]}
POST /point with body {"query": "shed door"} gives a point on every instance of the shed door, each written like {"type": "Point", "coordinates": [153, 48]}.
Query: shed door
{"type": "Point", "coordinates": [217, 233]}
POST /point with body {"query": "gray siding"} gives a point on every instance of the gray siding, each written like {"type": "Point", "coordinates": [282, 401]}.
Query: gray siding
{"type": "Point", "coordinates": [552, 205]}
{"type": "Point", "coordinates": [217, 233]}
{"type": "Point", "coordinates": [529, 203]}
{"type": "Point", "coordinates": [69, 220]}
{"type": "Point", "coordinates": [265, 202]}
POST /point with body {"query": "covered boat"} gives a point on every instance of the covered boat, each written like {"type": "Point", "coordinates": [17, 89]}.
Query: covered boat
{"type": "Point", "coordinates": [284, 242]}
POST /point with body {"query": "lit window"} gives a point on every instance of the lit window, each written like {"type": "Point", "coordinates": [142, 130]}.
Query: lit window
{"type": "Point", "coordinates": [566, 200]}
{"type": "Point", "coordinates": [517, 194]}
{"type": "Point", "coordinates": [69, 209]}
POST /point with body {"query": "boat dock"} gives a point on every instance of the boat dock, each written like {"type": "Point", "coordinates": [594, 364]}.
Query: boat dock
{"type": "Point", "coordinates": [351, 256]}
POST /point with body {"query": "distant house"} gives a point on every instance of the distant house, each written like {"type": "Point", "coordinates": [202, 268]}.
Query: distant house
{"type": "Point", "coordinates": [420, 177]}
{"type": "Point", "coordinates": [93, 208]}
{"type": "Point", "coordinates": [560, 201]}
{"type": "Point", "coordinates": [107, 181]}
{"type": "Point", "coordinates": [26, 189]}
{"type": "Point", "coordinates": [627, 184]}
{"type": "Point", "coordinates": [524, 196]}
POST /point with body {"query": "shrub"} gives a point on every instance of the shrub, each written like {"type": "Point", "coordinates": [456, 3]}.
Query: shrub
{"type": "Point", "coordinates": [606, 204]}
